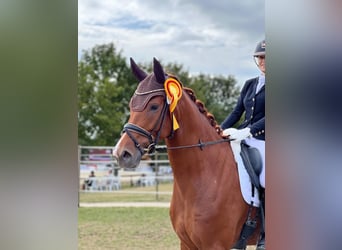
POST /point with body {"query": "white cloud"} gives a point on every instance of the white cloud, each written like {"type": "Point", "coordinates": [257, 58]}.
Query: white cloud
{"type": "Point", "coordinates": [212, 37]}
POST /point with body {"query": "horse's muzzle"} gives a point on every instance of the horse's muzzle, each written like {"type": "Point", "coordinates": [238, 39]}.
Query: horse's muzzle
{"type": "Point", "coordinates": [126, 158]}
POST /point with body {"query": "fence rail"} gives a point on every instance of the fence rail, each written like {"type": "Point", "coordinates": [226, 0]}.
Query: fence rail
{"type": "Point", "coordinates": [109, 177]}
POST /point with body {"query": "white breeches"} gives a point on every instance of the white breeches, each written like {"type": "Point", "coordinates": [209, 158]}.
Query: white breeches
{"type": "Point", "coordinates": [260, 145]}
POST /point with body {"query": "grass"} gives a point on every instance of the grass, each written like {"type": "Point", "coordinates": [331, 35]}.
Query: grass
{"type": "Point", "coordinates": [125, 228]}
{"type": "Point", "coordinates": [130, 197]}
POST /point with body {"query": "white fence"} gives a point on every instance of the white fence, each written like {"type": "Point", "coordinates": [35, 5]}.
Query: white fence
{"type": "Point", "coordinates": [108, 177]}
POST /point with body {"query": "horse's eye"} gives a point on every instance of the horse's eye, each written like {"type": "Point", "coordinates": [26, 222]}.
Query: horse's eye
{"type": "Point", "coordinates": [154, 107]}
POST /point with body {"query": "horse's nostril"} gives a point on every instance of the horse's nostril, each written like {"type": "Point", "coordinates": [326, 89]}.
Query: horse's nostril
{"type": "Point", "coordinates": [126, 155]}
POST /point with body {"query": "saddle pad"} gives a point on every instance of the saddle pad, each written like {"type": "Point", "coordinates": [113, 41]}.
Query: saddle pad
{"type": "Point", "coordinates": [245, 182]}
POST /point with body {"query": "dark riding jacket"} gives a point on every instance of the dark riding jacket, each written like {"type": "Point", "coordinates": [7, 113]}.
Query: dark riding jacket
{"type": "Point", "coordinates": [254, 106]}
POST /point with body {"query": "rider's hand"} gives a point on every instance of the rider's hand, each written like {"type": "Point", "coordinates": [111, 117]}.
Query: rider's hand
{"type": "Point", "coordinates": [237, 134]}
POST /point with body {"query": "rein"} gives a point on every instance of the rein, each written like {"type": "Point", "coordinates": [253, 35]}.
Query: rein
{"type": "Point", "coordinates": [200, 144]}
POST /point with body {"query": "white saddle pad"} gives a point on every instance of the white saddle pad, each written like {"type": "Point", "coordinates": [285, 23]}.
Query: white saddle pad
{"type": "Point", "coordinates": [245, 182]}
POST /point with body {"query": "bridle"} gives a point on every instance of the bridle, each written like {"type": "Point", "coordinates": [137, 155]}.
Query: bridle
{"type": "Point", "coordinates": [130, 127]}
{"type": "Point", "coordinates": [152, 147]}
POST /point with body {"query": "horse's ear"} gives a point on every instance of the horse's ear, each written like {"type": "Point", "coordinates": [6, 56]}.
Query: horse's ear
{"type": "Point", "coordinates": [137, 72]}
{"type": "Point", "coordinates": [158, 71]}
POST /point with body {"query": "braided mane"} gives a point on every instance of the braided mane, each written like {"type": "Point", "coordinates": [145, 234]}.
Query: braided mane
{"type": "Point", "coordinates": [203, 110]}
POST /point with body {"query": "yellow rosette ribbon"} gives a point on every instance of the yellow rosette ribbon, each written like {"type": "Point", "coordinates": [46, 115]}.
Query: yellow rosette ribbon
{"type": "Point", "coordinates": [173, 90]}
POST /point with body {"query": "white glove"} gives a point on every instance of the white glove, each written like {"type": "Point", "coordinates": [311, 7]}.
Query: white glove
{"type": "Point", "coordinates": [237, 134]}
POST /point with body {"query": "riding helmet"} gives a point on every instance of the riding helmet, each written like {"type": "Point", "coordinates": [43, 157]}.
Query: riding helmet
{"type": "Point", "coordinates": [260, 49]}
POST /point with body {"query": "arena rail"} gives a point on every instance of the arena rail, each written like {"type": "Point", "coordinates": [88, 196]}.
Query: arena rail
{"type": "Point", "coordinates": [153, 171]}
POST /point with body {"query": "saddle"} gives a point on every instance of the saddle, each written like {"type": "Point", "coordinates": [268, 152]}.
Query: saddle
{"type": "Point", "coordinates": [252, 161]}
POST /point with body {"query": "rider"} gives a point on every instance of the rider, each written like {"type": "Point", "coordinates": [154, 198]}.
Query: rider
{"type": "Point", "coordinates": [252, 130]}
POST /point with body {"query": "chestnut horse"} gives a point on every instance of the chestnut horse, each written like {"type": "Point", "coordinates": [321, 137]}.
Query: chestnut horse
{"type": "Point", "coordinates": [207, 208]}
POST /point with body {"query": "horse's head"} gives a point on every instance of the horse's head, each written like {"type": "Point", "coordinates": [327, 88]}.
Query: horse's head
{"type": "Point", "coordinates": [149, 117]}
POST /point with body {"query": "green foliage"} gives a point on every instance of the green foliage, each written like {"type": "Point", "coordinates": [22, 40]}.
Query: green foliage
{"type": "Point", "coordinates": [106, 84]}
{"type": "Point", "coordinates": [218, 93]}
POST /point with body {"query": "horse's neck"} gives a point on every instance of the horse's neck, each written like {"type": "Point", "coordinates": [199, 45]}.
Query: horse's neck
{"type": "Point", "coordinates": [193, 125]}
{"type": "Point", "coordinates": [194, 161]}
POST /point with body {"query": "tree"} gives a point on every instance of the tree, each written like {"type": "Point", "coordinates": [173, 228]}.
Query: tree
{"type": "Point", "coordinates": [105, 85]}
{"type": "Point", "coordinates": [218, 93]}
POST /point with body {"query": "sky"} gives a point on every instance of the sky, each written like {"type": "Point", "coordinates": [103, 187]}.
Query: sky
{"type": "Point", "coordinates": [215, 37]}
